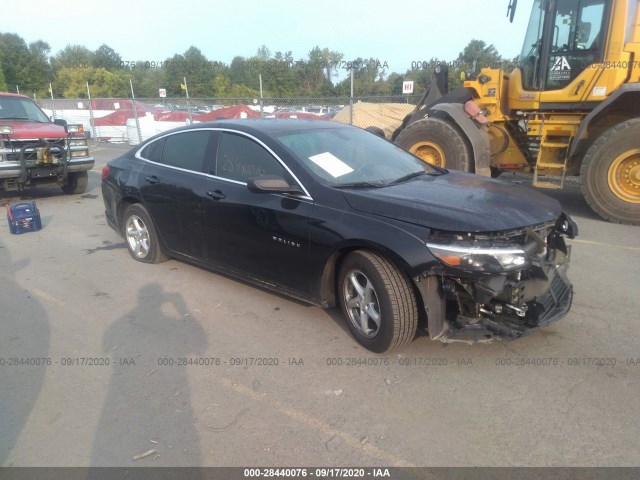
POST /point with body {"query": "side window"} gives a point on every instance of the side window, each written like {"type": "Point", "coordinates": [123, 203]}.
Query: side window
{"type": "Point", "coordinates": [578, 40]}
{"type": "Point", "coordinates": [153, 151]}
{"type": "Point", "coordinates": [186, 150]}
{"type": "Point", "coordinates": [240, 158]}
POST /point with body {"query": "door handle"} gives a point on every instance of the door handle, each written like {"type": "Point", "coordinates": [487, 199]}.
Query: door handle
{"type": "Point", "coordinates": [152, 179]}
{"type": "Point", "coordinates": [216, 194]}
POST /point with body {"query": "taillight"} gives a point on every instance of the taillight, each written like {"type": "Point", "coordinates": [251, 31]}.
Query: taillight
{"type": "Point", "coordinates": [105, 172]}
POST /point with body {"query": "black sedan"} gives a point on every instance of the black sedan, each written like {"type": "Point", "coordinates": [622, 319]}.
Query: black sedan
{"type": "Point", "coordinates": [334, 215]}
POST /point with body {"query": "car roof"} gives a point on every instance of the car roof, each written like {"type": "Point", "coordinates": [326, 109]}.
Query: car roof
{"type": "Point", "coordinates": [271, 126]}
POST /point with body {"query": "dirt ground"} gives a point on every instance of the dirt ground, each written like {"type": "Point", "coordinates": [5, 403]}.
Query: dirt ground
{"type": "Point", "coordinates": [104, 359]}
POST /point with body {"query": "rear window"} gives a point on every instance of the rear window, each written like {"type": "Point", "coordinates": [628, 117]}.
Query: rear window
{"type": "Point", "coordinates": [153, 151]}
{"type": "Point", "coordinates": [186, 150]}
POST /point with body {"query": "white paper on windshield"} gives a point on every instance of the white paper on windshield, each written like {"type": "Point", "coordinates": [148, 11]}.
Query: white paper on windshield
{"type": "Point", "coordinates": [331, 164]}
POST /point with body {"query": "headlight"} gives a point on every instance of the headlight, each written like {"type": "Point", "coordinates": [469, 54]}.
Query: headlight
{"type": "Point", "coordinates": [76, 142]}
{"type": "Point", "coordinates": [74, 128]}
{"type": "Point", "coordinates": [480, 258]}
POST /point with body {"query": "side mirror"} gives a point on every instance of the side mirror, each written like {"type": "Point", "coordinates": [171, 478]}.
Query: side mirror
{"type": "Point", "coordinates": [271, 184]}
{"type": "Point", "coordinates": [60, 121]}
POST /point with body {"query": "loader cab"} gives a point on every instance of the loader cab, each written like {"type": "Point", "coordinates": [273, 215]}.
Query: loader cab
{"type": "Point", "coordinates": [563, 40]}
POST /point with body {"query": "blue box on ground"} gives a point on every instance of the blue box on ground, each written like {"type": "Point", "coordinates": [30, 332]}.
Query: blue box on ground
{"type": "Point", "coordinates": [23, 218]}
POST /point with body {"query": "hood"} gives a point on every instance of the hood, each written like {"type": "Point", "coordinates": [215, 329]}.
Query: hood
{"type": "Point", "coordinates": [458, 202]}
{"type": "Point", "coordinates": [34, 130]}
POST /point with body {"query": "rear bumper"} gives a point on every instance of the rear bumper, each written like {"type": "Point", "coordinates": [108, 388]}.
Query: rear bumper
{"type": "Point", "coordinates": [110, 199]}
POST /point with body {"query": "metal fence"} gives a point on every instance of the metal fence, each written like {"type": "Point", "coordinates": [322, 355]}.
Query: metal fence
{"type": "Point", "coordinates": [385, 112]}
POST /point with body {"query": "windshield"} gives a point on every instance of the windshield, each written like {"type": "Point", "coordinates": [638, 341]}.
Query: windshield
{"type": "Point", "coordinates": [529, 59]}
{"type": "Point", "coordinates": [19, 108]}
{"type": "Point", "coordinates": [351, 157]}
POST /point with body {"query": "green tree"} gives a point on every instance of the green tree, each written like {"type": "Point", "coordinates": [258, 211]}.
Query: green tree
{"type": "Point", "coordinates": [395, 81]}
{"type": "Point", "coordinates": [38, 72]}
{"type": "Point", "coordinates": [73, 56]}
{"type": "Point", "coordinates": [15, 57]}
{"type": "Point", "coordinates": [107, 58]}
{"type": "Point", "coordinates": [245, 71]}
{"type": "Point", "coordinates": [476, 55]}
{"type": "Point", "coordinates": [368, 78]}
{"type": "Point", "coordinates": [263, 53]}
{"type": "Point", "coordinates": [320, 66]}
{"type": "Point", "coordinates": [479, 53]}
{"type": "Point", "coordinates": [147, 81]}
{"type": "Point", "coordinates": [3, 82]}
{"type": "Point", "coordinates": [71, 83]}
{"type": "Point", "coordinates": [198, 70]}
{"type": "Point", "coordinates": [278, 73]}
{"type": "Point", "coordinates": [422, 75]}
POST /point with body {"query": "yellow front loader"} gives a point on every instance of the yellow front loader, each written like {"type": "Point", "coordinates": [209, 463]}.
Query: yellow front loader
{"type": "Point", "coordinates": [571, 107]}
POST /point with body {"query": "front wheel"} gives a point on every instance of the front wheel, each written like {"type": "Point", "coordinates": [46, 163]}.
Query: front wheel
{"type": "Point", "coordinates": [611, 174]}
{"type": "Point", "coordinates": [377, 301]}
{"type": "Point", "coordinates": [141, 236]}
{"type": "Point", "coordinates": [76, 183]}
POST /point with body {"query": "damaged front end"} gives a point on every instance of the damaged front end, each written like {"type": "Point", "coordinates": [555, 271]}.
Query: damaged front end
{"type": "Point", "coordinates": [499, 285]}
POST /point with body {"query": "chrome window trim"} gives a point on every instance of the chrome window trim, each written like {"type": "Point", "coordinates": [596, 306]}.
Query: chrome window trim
{"type": "Point", "coordinates": [306, 195]}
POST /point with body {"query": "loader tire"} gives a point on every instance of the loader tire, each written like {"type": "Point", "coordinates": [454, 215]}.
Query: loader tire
{"type": "Point", "coordinates": [376, 131]}
{"type": "Point", "coordinates": [610, 174]}
{"type": "Point", "coordinates": [438, 142]}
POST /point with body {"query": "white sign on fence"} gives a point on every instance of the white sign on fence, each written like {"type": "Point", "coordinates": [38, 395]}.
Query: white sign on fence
{"type": "Point", "coordinates": [407, 87]}
{"type": "Point", "coordinates": [162, 92]}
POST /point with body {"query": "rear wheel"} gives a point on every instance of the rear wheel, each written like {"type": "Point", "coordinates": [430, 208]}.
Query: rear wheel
{"type": "Point", "coordinates": [141, 236]}
{"type": "Point", "coordinates": [437, 142]}
{"type": "Point", "coordinates": [611, 174]}
{"type": "Point", "coordinates": [76, 183]}
{"type": "Point", "coordinates": [377, 301]}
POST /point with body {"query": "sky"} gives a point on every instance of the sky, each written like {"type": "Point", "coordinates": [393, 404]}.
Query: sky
{"type": "Point", "coordinates": [395, 32]}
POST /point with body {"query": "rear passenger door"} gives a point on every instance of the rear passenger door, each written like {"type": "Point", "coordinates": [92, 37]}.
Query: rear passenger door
{"type": "Point", "coordinates": [260, 235]}
{"type": "Point", "coordinates": [172, 186]}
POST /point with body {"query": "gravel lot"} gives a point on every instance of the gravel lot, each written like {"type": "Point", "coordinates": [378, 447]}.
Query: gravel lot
{"type": "Point", "coordinates": [202, 369]}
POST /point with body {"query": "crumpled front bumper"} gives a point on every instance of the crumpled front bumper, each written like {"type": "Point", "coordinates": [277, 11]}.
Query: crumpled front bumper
{"type": "Point", "coordinates": [544, 310]}
{"type": "Point", "coordinates": [548, 299]}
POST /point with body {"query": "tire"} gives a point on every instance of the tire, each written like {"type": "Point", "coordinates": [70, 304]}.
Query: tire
{"type": "Point", "coordinates": [388, 296]}
{"type": "Point", "coordinates": [76, 183]}
{"type": "Point", "coordinates": [438, 142]}
{"type": "Point", "coordinates": [610, 174]}
{"type": "Point", "coordinates": [141, 236]}
{"type": "Point", "coordinates": [495, 172]}
{"type": "Point", "coordinates": [376, 131]}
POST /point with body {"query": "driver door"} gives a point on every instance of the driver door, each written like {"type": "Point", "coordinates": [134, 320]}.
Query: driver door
{"type": "Point", "coordinates": [258, 235]}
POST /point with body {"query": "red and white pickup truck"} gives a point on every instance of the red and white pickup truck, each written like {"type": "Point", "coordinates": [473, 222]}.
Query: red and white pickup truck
{"type": "Point", "coordinates": [34, 149]}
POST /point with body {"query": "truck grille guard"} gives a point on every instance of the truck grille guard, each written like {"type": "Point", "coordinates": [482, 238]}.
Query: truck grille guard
{"type": "Point", "coordinates": [28, 150]}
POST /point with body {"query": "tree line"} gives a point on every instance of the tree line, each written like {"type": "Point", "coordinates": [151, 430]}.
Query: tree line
{"type": "Point", "coordinates": [32, 68]}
